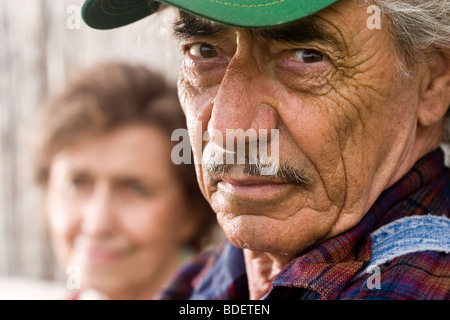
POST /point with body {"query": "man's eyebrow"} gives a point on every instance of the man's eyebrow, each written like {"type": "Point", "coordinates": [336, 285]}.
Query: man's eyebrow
{"type": "Point", "coordinates": [189, 26]}
{"type": "Point", "coordinates": [304, 30]}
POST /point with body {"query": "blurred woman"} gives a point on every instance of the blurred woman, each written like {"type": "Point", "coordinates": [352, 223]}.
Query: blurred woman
{"type": "Point", "coordinates": [118, 209]}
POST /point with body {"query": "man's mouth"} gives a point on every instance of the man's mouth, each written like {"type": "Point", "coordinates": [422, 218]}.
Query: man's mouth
{"type": "Point", "coordinates": [240, 184]}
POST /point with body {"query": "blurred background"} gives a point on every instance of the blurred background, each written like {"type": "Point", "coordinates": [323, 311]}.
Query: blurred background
{"type": "Point", "coordinates": [43, 43]}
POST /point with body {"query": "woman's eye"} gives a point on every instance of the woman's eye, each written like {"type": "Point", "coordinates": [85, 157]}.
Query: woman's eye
{"type": "Point", "coordinates": [138, 189]}
{"type": "Point", "coordinates": [203, 50]}
{"type": "Point", "coordinates": [309, 56]}
{"type": "Point", "coordinates": [79, 182]}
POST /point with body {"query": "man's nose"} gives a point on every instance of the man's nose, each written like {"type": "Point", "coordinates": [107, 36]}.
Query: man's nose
{"type": "Point", "coordinates": [245, 100]}
{"type": "Point", "coordinates": [98, 212]}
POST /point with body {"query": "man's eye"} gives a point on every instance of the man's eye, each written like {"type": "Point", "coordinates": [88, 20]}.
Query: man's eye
{"type": "Point", "coordinates": [203, 50]}
{"type": "Point", "coordinates": [309, 56]}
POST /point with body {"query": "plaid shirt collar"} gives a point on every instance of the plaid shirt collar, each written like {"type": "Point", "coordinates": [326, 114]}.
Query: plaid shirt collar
{"type": "Point", "coordinates": [328, 268]}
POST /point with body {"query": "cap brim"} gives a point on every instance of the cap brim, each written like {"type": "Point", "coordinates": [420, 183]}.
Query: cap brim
{"type": "Point", "coordinates": [109, 14]}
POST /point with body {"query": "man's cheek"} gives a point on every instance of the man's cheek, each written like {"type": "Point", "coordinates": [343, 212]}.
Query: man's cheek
{"type": "Point", "coordinates": [325, 135]}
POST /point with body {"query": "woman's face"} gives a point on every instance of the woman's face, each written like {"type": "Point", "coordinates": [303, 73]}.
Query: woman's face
{"type": "Point", "coordinates": [117, 211]}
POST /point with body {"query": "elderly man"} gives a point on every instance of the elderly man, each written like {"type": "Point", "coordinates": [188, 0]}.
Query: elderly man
{"type": "Point", "coordinates": [358, 207]}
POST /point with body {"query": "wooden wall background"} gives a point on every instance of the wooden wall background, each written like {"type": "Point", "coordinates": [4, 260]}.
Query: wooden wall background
{"type": "Point", "coordinates": [37, 53]}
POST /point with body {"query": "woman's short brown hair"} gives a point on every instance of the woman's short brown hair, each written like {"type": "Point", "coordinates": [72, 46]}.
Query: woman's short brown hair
{"type": "Point", "coordinates": [104, 98]}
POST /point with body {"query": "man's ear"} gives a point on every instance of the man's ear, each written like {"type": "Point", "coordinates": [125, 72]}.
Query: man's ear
{"type": "Point", "coordinates": [434, 98]}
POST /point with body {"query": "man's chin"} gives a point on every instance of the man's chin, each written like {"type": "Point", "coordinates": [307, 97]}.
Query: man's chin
{"type": "Point", "coordinates": [261, 234]}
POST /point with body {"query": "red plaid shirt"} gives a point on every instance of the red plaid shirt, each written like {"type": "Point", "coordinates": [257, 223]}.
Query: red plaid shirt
{"type": "Point", "coordinates": [330, 271]}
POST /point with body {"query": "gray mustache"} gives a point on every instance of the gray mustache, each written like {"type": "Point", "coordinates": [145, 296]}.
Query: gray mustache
{"type": "Point", "coordinates": [217, 162]}
{"type": "Point", "coordinates": [285, 173]}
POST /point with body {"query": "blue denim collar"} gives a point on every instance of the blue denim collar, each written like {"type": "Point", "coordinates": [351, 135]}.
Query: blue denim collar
{"type": "Point", "coordinates": [409, 235]}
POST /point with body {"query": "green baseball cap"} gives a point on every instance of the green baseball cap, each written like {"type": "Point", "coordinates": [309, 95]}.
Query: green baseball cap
{"type": "Point", "coordinates": [109, 14]}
